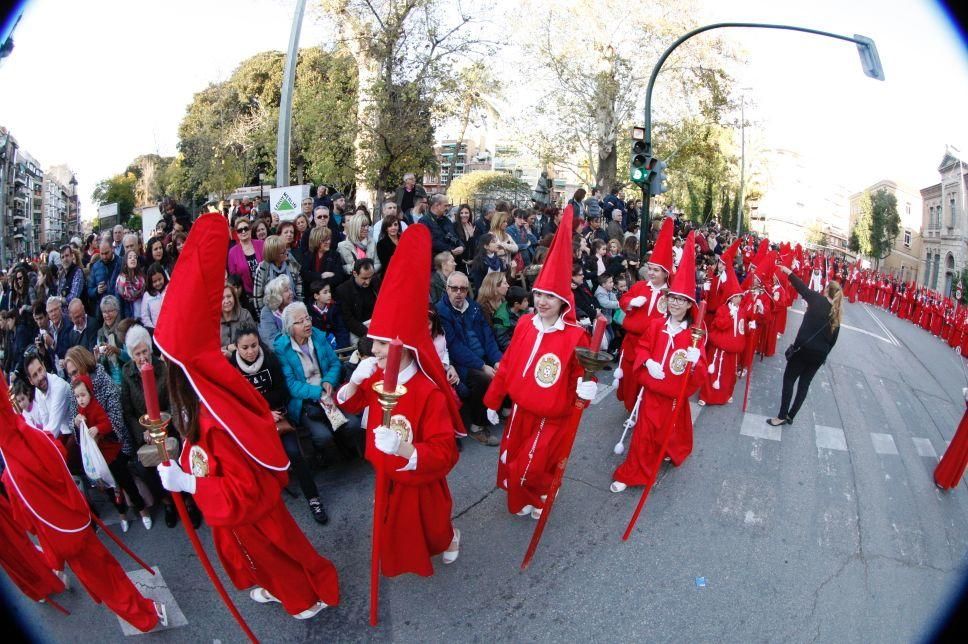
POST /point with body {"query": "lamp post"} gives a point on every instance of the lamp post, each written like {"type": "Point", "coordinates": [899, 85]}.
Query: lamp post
{"type": "Point", "coordinates": [285, 101]}
{"type": "Point", "coordinates": [869, 59]}
{"type": "Point", "coordinates": [742, 166]}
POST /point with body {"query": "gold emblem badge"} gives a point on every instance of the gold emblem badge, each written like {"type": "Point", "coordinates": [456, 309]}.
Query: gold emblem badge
{"type": "Point", "coordinates": [547, 370]}
{"type": "Point", "coordinates": [661, 305]}
{"type": "Point", "coordinates": [198, 460]}
{"type": "Point", "coordinates": [402, 426]}
{"type": "Point", "coordinates": [678, 362]}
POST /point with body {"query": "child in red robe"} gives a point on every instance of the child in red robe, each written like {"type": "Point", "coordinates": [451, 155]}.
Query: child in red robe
{"type": "Point", "coordinates": [726, 341]}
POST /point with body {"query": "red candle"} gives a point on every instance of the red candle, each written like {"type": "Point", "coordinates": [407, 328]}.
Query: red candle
{"type": "Point", "coordinates": [598, 333]}
{"type": "Point", "coordinates": [392, 370]}
{"type": "Point", "coordinates": [702, 313]}
{"type": "Point", "coordinates": [151, 391]}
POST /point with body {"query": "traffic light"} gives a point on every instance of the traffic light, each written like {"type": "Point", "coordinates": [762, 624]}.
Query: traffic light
{"type": "Point", "coordinates": [658, 181]}
{"type": "Point", "coordinates": [640, 160]}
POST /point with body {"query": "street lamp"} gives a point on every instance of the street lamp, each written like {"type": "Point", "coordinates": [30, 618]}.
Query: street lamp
{"type": "Point", "coordinates": [742, 166]}
{"type": "Point", "coordinates": [869, 59]}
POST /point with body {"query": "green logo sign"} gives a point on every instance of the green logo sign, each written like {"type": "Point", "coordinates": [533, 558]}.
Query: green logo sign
{"type": "Point", "coordinates": [285, 203]}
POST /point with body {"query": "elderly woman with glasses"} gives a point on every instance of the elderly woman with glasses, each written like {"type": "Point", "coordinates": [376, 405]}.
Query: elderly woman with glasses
{"type": "Point", "coordinates": [245, 256]}
{"type": "Point", "coordinates": [109, 337]}
{"type": "Point", "coordinates": [278, 295]}
{"type": "Point", "coordinates": [312, 371]}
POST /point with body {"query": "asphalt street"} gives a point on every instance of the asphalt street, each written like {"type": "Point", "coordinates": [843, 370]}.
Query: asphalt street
{"type": "Point", "coordinates": [830, 529]}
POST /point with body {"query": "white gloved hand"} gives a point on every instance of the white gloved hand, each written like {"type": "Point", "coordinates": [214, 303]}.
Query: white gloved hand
{"type": "Point", "coordinates": [492, 417]}
{"type": "Point", "coordinates": [174, 479]}
{"type": "Point", "coordinates": [692, 354]}
{"type": "Point", "coordinates": [386, 440]}
{"type": "Point", "coordinates": [753, 325]}
{"type": "Point", "coordinates": [618, 374]}
{"type": "Point", "coordinates": [637, 301]}
{"type": "Point", "coordinates": [585, 322]}
{"type": "Point", "coordinates": [586, 389]}
{"type": "Point", "coordinates": [364, 370]}
{"type": "Point", "coordinates": [655, 369]}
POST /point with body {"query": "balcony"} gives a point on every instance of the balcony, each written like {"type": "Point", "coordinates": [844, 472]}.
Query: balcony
{"type": "Point", "coordinates": [18, 232]}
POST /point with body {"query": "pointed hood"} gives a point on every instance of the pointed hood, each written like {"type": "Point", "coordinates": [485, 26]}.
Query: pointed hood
{"type": "Point", "coordinates": [401, 310]}
{"type": "Point", "coordinates": [731, 287]}
{"type": "Point", "coordinates": [37, 473]}
{"type": "Point", "coordinates": [729, 254]}
{"type": "Point", "coordinates": [662, 251]}
{"type": "Point", "coordinates": [555, 276]}
{"type": "Point", "coordinates": [188, 334]}
{"type": "Point", "coordinates": [684, 281]}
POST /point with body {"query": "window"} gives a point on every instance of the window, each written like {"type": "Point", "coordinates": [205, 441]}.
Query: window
{"type": "Point", "coordinates": [907, 238]}
{"type": "Point", "coordinates": [930, 216]}
{"type": "Point", "coordinates": [952, 213]}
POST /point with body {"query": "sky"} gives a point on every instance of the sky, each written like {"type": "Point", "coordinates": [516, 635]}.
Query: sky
{"type": "Point", "coordinates": [95, 84]}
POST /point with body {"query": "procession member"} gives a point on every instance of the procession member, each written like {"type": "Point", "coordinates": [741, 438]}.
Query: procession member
{"type": "Point", "coordinates": [777, 294]}
{"type": "Point", "coordinates": [726, 341]}
{"type": "Point", "coordinates": [951, 469]}
{"type": "Point", "coordinates": [46, 502]}
{"type": "Point", "coordinates": [542, 376]}
{"type": "Point", "coordinates": [642, 304]}
{"type": "Point", "coordinates": [22, 561]}
{"type": "Point", "coordinates": [816, 276]}
{"type": "Point", "coordinates": [232, 461]}
{"type": "Point", "coordinates": [659, 366]}
{"type": "Point", "coordinates": [418, 450]}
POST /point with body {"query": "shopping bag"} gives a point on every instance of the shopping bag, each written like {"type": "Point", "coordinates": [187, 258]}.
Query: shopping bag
{"type": "Point", "coordinates": [95, 467]}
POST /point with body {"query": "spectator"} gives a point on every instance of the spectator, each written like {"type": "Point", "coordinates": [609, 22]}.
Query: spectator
{"type": "Point", "coordinates": [491, 295]}
{"type": "Point", "coordinates": [356, 298]}
{"type": "Point", "coordinates": [260, 230]}
{"type": "Point", "coordinates": [499, 228]}
{"type": "Point", "coordinates": [338, 209]}
{"type": "Point", "coordinates": [21, 292]}
{"type": "Point", "coordinates": [482, 224]}
{"type": "Point", "coordinates": [287, 231]}
{"type": "Point", "coordinates": [264, 372]}
{"type": "Point", "coordinates": [607, 300]}
{"type": "Point", "coordinates": [43, 339]}
{"type": "Point", "coordinates": [109, 341]}
{"type": "Point", "coordinates": [467, 235]}
{"type": "Point", "coordinates": [130, 286]}
{"type": "Point", "coordinates": [117, 239]}
{"type": "Point", "coordinates": [104, 274]}
{"type": "Point", "coordinates": [577, 202]}
{"type": "Point", "coordinates": [275, 262]}
{"type": "Point", "coordinates": [245, 256]}
{"type": "Point", "coordinates": [323, 219]}
{"type": "Point", "coordinates": [585, 305]}
{"type": "Point", "coordinates": [522, 236]}
{"type": "Point", "coordinates": [51, 395]}
{"type": "Point", "coordinates": [615, 230]}
{"type": "Point", "coordinates": [357, 244]}
{"type": "Point", "coordinates": [444, 265]}
{"type": "Point", "coordinates": [487, 260]}
{"type": "Point", "coordinates": [156, 253]}
{"type": "Point", "coordinates": [234, 317]}
{"type": "Point", "coordinates": [174, 215]}
{"type": "Point", "coordinates": [420, 209]}
{"type": "Point", "coordinates": [322, 262]}
{"type": "Point", "coordinates": [594, 231]}
{"type": "Point", "coordinates": [70, 279]}
{"type": "Point", "coordinates": [631, 252]}
{"type": "Point", "coordinates": [301, 222]}
{"type": "Point", "coordinates": [506, 317]}
{"type": "Point", "coordinates": [130, 242]}
{"type": "Point", "coordinates": [83, 332]}
{"type": "Point", "coordinates": [55, 341]}
{"type": "Point", "coordinates": [442, 233]}
{"type": "Point", "coordinates": [312, 370]}
{"type": "Point", "coordinates": [593, 207]}
{"type": "Point", "coordinates": [322, 198]}
{"type": "Point", "coordinates": [156, 283]}
{"type": "Point", "coordinates": [278, 295]}
{"type": "Point", "coordinates": [46, 283]}
{"type": "Point", "coordinates": [389, 210]}
{"type": "Point", "coordinates": [613, 201]}
{"type": "Point", "coordinates": [326, 315]}
{"type": "Point", "coordinates": [595, 263]}
{"type": "Point", "coordinates": [473, 350]}
{"type": "Point", "coordinates": [407, 194]}
{"type": "Point", "coordinates": [390, 228]}
{"type": "Point", "coordinates": [8, 359]}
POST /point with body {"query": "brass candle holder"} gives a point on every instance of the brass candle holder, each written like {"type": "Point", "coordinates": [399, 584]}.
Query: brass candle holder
{"type": "Point", "coordinates": [388, 401]}
{"type": "Point", "coordinates": [158, 432]}
{"type": "Point", "coordinates": [591, 361]}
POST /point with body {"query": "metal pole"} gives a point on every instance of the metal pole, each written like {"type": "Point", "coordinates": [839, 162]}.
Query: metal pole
{"type": "Point", "coordinates": [742, 167]}
{"type": "Point", "coordinates": [285, 102]}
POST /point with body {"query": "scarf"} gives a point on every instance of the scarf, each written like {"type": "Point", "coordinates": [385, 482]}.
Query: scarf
{"type": "Point", "coordinates": [250, 368]}
{"type": "Point", "coordinates": [275, 272]}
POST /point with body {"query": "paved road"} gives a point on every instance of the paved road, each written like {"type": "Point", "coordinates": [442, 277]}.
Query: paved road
{"type": "Point", "coordinates": [829, 530]}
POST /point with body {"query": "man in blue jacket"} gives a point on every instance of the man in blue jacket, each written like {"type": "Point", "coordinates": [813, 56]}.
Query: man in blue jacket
{"type": "Point", "coordinates": [474, 353]}
{"type": "Point", "coordinates": [104, 275]}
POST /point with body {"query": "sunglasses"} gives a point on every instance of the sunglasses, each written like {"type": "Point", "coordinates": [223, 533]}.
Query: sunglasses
{"type": "Point", "coordinates": [242, 229]}
{"type": "Point", "coordinates": [458, 289]}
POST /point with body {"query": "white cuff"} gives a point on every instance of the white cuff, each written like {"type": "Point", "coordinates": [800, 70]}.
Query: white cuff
{"type": "Point", "coordinates": [340, 397]}
{"type": "Point", "coordinates": [411, 463]}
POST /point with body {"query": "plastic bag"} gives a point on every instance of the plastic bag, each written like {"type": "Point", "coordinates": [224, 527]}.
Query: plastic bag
{"type": "Point", "coordinates": [95, 467]}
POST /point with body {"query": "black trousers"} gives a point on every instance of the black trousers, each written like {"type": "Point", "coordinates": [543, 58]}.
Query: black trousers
{"type": "Point", "coordinates": [472, 407]}
{"type": "Point", "coordinates": [290, 441]}
{"type": "Point", "coordinates": [800, 370]}
{"type": "Point", "coordinates": [122, 476]}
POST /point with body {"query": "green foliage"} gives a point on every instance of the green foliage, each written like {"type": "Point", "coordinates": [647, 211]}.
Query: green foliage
{"type": "Point", "coordinates": [877, 227]}
{"type": "Point", "coordinates": [118, 189]}
{"type": "Point", "coordinates": [134, 222]}
{"type": "Point", "coordinates": [486, 185]}
{"type": "Point", "coordinates": [816, 234]}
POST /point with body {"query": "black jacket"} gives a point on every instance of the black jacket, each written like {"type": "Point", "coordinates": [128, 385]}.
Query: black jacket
{"type": "Point", "coordinates": [269, 380]}
{"type": "Point", "coordinates": [442, 234]}
{"type": "Point", "coordinates": [356, 305]}
{"type": "Point", "coordinates": [815, 337]}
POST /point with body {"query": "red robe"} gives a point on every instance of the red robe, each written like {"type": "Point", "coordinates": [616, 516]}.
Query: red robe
{"type": "Point", "coordinates": [949, 471]}
{"type": "Point", "coordinates": [45, 502]}
{"type": "Point", "coordinates": [758, 309]}
{"type": "Point", "coordinates": [539, 372]}
{"type": "Point", "coordinates": [257, 540]}
{"type": "Point", "coordinates": [637, 321]}
{"type": "Point", "coordinates": [417, 524]}
{"type": "Point", "coordinates": [22, 561]}
{"type": "Point", "coordinates": [726, 341]}
{"type": "Point", "coordinates": [95, 416]}
{"type": "Point", "coordinates": [937, 316]}
{"type": "Point", "coordinates": [644, 453]}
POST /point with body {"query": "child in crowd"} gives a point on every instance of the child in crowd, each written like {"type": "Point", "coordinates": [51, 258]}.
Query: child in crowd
{"type": "Point", "coordinates": [506, 317]}
{"type": "Point", "coordinates": [608, 302]}
{"type": "Point", "coordinates": [325, 314]}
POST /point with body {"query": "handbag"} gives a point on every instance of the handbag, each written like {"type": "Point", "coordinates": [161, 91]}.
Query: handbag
{"type": "Point", "coordinates": [148, 454]}
{"type": "Point", "coordinates": [793, 348]}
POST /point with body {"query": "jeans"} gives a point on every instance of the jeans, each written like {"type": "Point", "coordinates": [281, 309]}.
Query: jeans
{"type": "Point", "coordinates": [801, 366]}
{"type": "Point", "coordinates": [347, 438]}
{"type": "Point", "coordinates": [290, 443]}
{"type": "Point", "coordinates": [472, 409]}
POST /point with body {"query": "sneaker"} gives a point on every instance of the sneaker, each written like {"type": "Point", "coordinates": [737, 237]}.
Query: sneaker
{"type": "Point", "coordinates": [162, 613]}
{"type": "Point", "coordinates": [450, 555]}
{"type": "Point", "coordinates": [262, 596]}
{"type": "Point", "coordinates": [310, 612]}
{"type": "Point", "coordinates": [525, 511]}
{"type": "Point", "coordinates": [617, 486]}
{"type": "Point", "coordinates": [125, 524]}
{"type": "Point", "coordinates": [730, 400]}
{"type": "Point", "coordinates": [64, 579]}
{"type": "Point", "coordinates": [702, 403]}
{"type": "Point", "coordinates": [318, 512]}
{"type": "Point", "coordinates": [536, 513]}
{"type": "Point", "coordinates": [485, 437]}
{"type": "Point", "coordinates": [171, 515]}
{"type": "Point", "coordinates": [147, 522]}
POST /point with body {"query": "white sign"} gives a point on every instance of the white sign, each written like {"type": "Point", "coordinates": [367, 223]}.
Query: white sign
{"type": "Point", "coordinates": [107, 210]}
{"type": "Point", "coordinates": [149, 220]}
{"type": "Point", "coordinates": [286, 201]}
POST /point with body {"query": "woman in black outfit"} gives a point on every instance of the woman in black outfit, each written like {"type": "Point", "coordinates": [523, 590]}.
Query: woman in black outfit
{"type": "Point", "coordinates": [816, 337]}
{"type": "Point", "coordinates": [261, 368]}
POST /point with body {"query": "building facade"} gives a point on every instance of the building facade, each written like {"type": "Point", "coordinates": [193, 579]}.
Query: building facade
{"type": "Point", "coordinates": [66, 181]}
{"type": "Point", "coordinates": [904, 261]}
{"type": "Point", "coordinates": [945, 226]}
{"type": "Point", "coordinates": [21, 200]}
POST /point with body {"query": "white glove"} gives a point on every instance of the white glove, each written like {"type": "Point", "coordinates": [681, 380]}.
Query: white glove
{"type": "Point", "coordinates": [492, 417]}
{"type": "Point", "coordinates": [753, 325]}
{"type": "Point", "coordinates": [692, 354]}
{"type": "Point", "coordinates": [174, 479]}
{"type": "Point", "coordinates": [585, 322]}
{"type": "Point", "coordinates": [637, 301]}
{"type": "Point", "coordinates": [586, 389]}
{"type": "Point", "coordinates": [386, 440]}
{"type": "Point", "coordinates": [364, 370]}
{"type": "Point", "coordinates": [655, 369]}
{"type": "Point", "coordinates": [618, 374]}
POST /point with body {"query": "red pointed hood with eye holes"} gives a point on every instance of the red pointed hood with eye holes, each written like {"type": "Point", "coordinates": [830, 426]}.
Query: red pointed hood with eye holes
{"type": "Point", "coordinates": [662, 251]}
{"type": "Point", "coordinates": [555, 276]}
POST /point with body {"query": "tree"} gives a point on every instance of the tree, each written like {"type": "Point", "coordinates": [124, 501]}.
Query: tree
{"type": "Point", "coordinates": [471, 93]}
{"type": "Point", "coordinates": [488, 186]}
{"type": "Point", "coordinates": [118, 189]}
{"type": "Point", "coordinates": [877, 226]}
{"type": "Point", "coordinates": [816, 234]}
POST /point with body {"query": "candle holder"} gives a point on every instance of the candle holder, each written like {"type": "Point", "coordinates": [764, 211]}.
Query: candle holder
{"type": "Point", "coordinates": [591, 361]}
{"type": "Point", "coordinates": [158, 432]}
{"type": "Point", "coordinates": [388, 401]}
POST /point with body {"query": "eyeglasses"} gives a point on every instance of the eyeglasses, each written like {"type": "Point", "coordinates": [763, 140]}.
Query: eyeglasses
{"type": "Point", "coordinates": [675, 299]}
{"type": "Point", "coordinates": [458, 289]}
{"type": "Point", "coordinates": [242, 229]}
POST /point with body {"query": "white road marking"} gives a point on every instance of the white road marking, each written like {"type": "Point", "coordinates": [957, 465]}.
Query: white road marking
{"type": "Point", "coordinates": [755, 426]}
{"type": "Point", "coordinates": [883, 443]}
{"type": "Point", "coordinates": [603, 390]}
{"type": "Point", "coordinates": [924, 447]}
{"type": "Point", "coordinates": [859, 330]}
{"type": "Point", "coordinates": [882, 326]}
{"type": "Point", "coordinates": [831, 438]}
